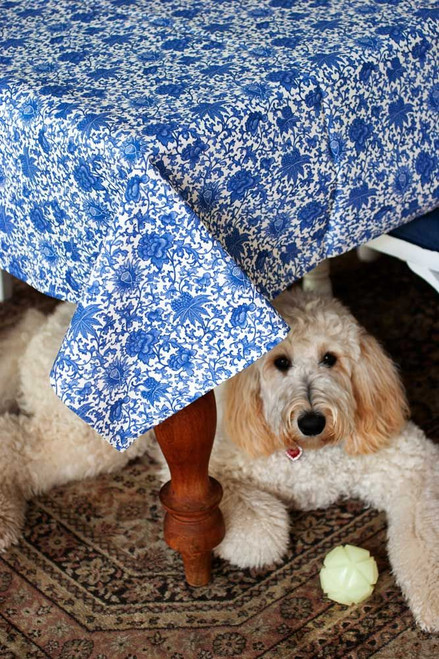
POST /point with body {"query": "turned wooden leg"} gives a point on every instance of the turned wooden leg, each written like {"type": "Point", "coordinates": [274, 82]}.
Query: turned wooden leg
{"type": "Point", "coordinates": [193, 522]}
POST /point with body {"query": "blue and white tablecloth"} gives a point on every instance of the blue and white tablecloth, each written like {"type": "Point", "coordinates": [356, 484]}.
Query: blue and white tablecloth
{"type": "Point", "coordinates": [168, 165]}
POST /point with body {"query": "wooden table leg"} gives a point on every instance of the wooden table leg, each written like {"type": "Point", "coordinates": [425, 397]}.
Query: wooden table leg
{"type": "Point", "coordinates": [193, 522]}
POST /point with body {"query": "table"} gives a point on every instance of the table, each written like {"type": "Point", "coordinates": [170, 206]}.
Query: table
{"type": "Point", "coordinates": [171, 166]}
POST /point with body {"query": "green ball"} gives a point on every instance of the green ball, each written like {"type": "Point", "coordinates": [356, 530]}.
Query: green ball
{"type": "Point", "coordinates": [348, 575]}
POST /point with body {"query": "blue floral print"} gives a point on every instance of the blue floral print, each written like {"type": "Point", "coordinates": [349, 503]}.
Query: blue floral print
{"type": "Point", "coordinates": [169, 166]}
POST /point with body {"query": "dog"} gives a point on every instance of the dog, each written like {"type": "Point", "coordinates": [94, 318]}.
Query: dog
{"type": "Point", "coordinates": [43, 443]}
{"type": "Point", "coordinates": [327, 386]}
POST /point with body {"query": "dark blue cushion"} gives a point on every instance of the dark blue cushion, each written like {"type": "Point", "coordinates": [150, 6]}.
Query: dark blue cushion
{"type": "Point", "coordinates": [424, 231]}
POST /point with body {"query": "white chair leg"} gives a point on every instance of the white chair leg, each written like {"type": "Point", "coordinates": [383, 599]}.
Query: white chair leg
{"type": "Point", "coordinates": [318, 280]}
{"type": "Point", "coordinates": [366, 254]}
{"type": "Point", "coordinates": [5, 286]}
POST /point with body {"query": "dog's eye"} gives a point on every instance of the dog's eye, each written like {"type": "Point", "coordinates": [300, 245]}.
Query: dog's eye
{"type": "Point", "coordinates": [282, 363]}
{"type": "Point", "coordinates": [328, 359]}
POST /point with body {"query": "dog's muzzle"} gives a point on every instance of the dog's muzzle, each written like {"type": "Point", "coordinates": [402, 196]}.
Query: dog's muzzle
{"type": "Point", "coordinates": [311, 424]}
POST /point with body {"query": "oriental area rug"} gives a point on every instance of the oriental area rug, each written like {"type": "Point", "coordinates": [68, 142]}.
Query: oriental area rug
{"type": "Point", "coordinates": [93, 579]}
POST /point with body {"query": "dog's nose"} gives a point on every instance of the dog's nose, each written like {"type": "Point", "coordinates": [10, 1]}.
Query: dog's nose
{"type": "Point", "coordinates": [311, 423]}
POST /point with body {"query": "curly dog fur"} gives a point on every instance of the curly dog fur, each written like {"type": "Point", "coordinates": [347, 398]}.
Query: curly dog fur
{"type": "Point", "coordinates": [43, 443]}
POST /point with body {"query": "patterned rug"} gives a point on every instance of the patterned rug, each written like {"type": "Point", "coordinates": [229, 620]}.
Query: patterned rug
{"type": "Point", "coordinates": [92, 577]}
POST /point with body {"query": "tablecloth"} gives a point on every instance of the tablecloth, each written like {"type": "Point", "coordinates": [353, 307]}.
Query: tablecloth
{"type": "Point", "coordinates": [170, 166]}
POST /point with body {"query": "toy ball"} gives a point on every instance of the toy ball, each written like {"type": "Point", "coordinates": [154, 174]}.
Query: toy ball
{"type": "Point", "coordinates": [348, 575]}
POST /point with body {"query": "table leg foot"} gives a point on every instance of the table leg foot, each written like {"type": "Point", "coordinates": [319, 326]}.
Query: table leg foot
{"type": "Point", "coordinates": [193, 522]}
{"type": "Point", "coordinates": [197, 568]}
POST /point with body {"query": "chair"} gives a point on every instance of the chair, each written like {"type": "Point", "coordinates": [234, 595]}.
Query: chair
{"type": "Point", "coordinates": [416, 243]}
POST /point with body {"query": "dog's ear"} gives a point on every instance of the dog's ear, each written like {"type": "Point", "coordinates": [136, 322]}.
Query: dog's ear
{"type": "Point", "coordinates": [244, 419]}
{"type": "Point", "coordinates": [381, 404]}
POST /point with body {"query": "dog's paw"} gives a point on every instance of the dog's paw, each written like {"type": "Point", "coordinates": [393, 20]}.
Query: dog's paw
{"type": "Point", "coordinates": [12, 512]}
{"type": "Point", "coordinates": [427, 615]}
{"type": "Point", "coordinates": [413, 545]}
{"type": "Point", "coordinates": [423, 586]}
{"type": "Point", "coordinates": [257, 527]}
{"type": "Point", "coordinates": [246, 551]}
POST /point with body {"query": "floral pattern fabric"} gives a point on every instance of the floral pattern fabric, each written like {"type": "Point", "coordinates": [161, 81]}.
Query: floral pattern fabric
{"type": "Point", "coordinates": [169, 165]}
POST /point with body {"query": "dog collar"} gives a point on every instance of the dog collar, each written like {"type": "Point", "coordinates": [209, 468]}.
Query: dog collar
{"type": "Point", "coordinates": [294, 454]}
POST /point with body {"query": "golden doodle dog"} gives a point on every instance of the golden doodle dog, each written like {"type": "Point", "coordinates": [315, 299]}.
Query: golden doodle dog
{"type": "Point", "coordinates": [328, 385]}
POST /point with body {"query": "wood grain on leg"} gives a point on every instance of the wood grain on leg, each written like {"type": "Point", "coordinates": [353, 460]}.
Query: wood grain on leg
{"type": "Point", "coordinates": [193, 522]}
